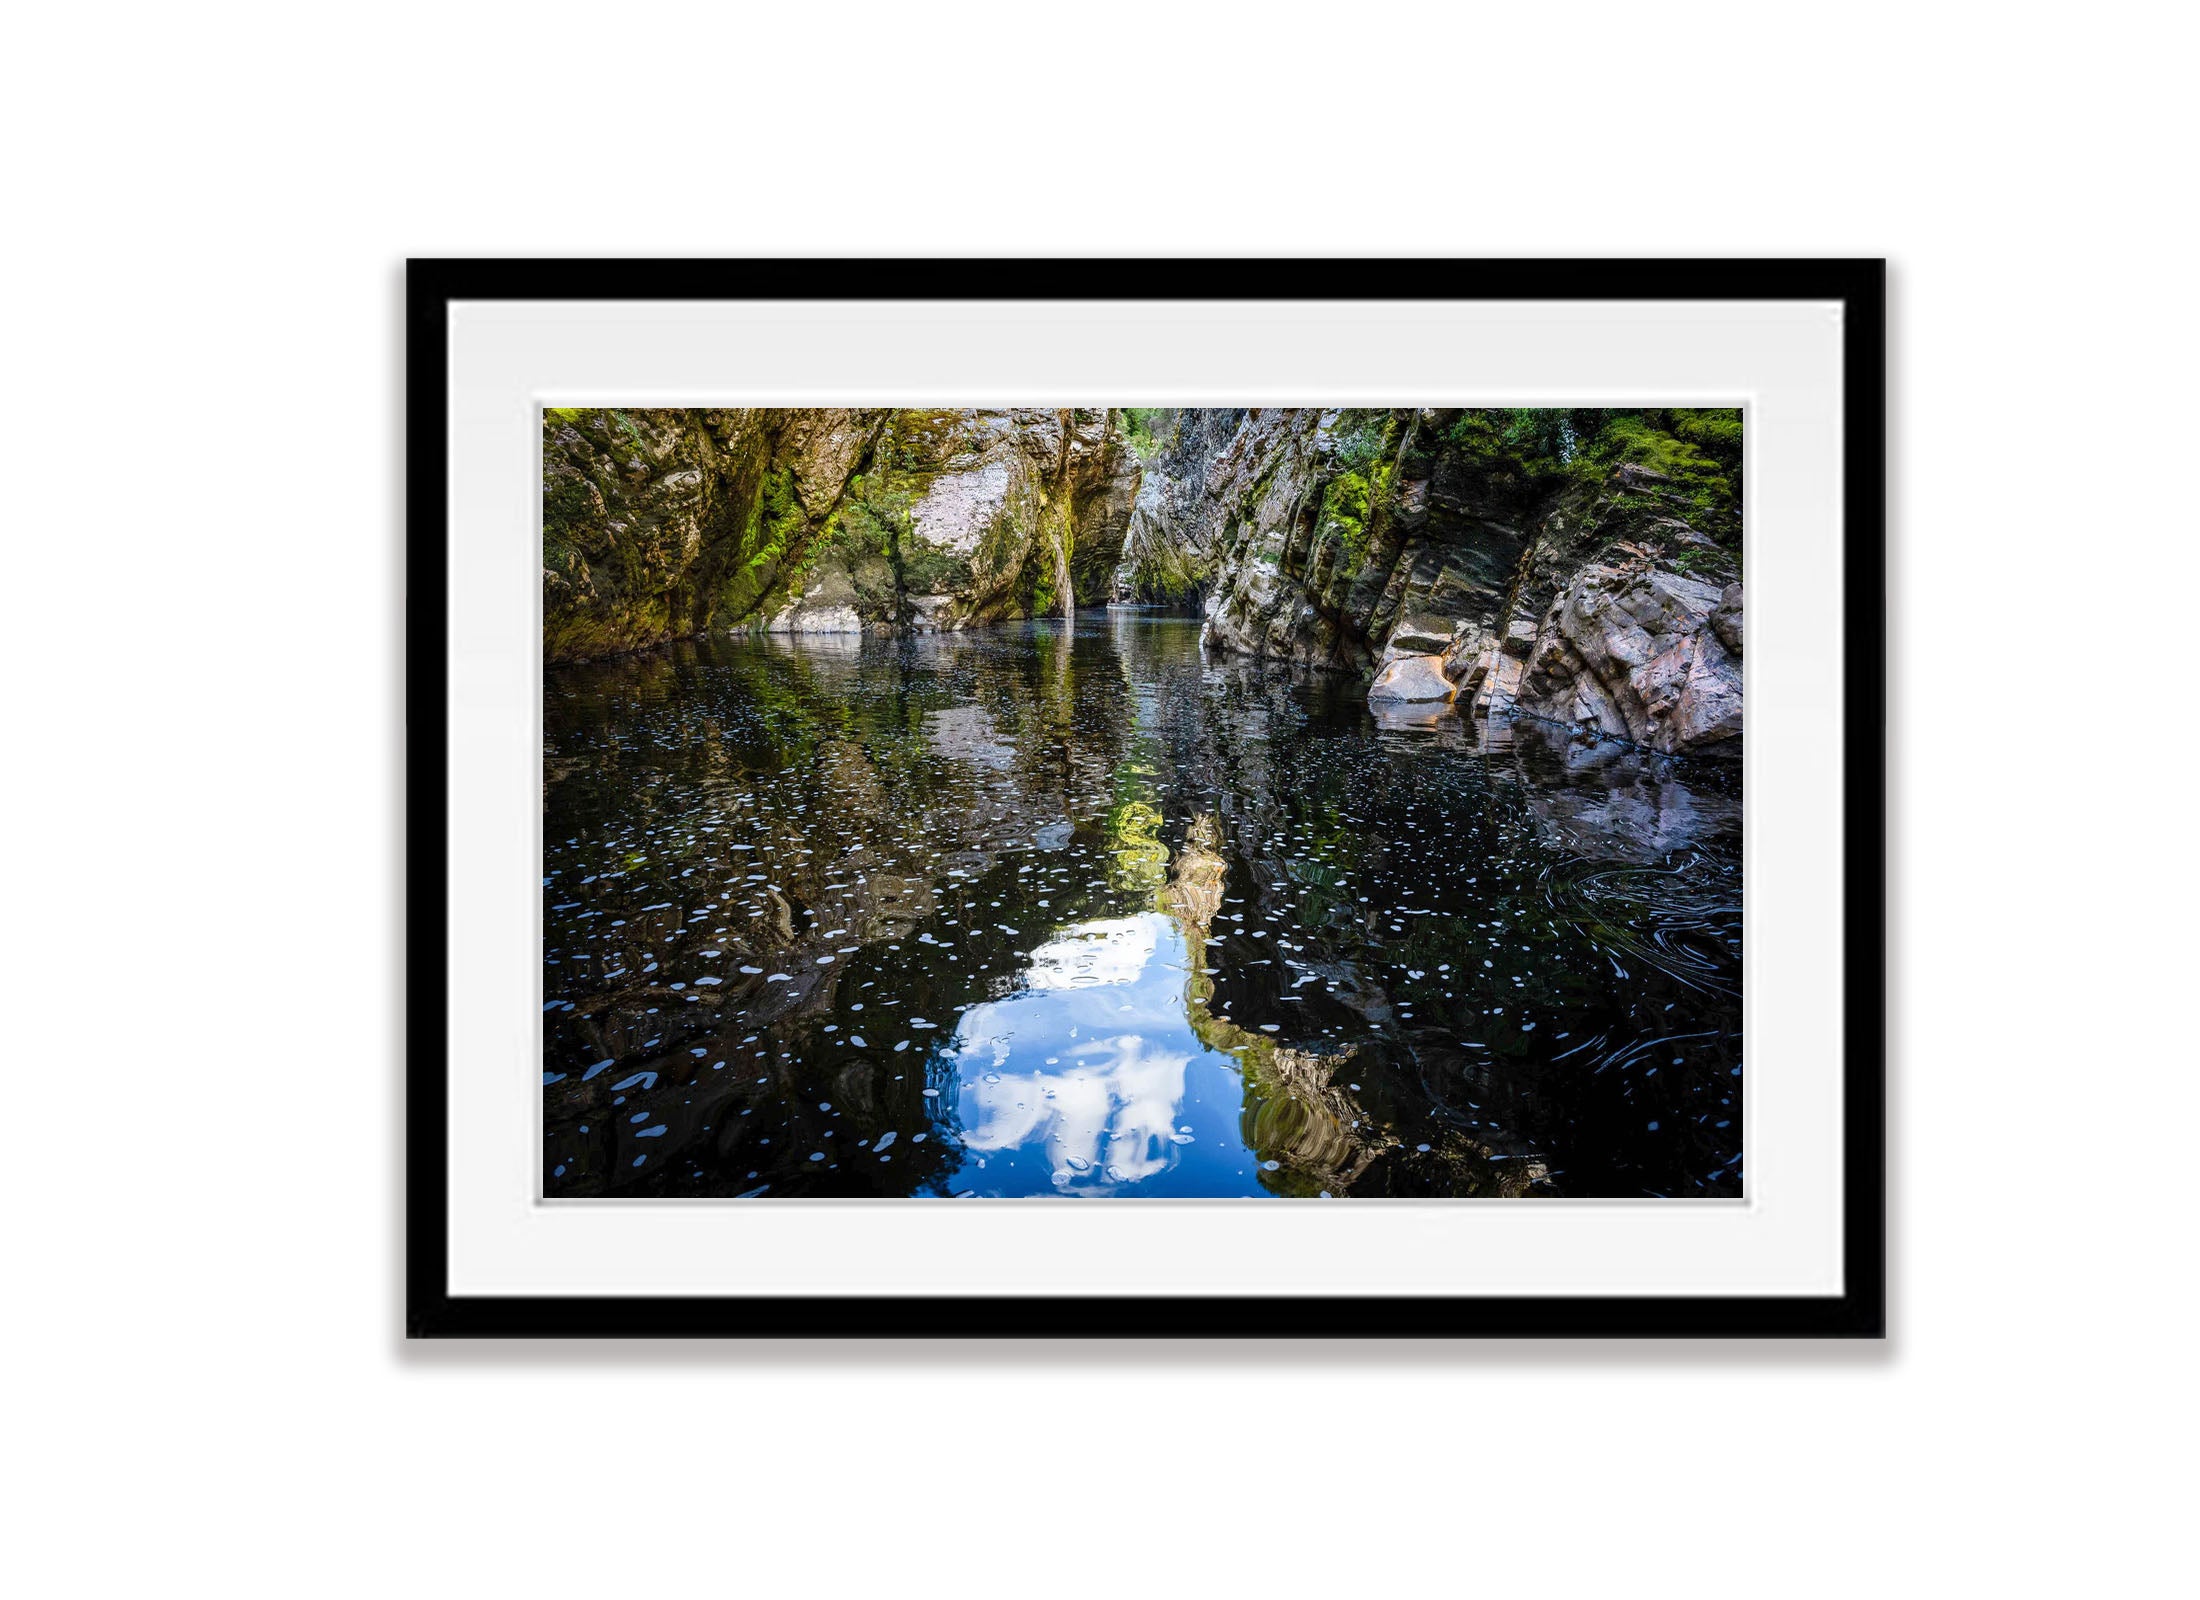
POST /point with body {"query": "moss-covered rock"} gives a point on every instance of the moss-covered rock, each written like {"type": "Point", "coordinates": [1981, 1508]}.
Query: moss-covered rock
{"type": "Point", "coordinates": [1340, 538]}
{"type": "Point", "coordinates": [662, 523]}
{"type": "Point", "coordinates": [1357, 539]}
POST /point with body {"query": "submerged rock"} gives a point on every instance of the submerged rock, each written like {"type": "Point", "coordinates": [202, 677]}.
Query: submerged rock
{"type": "Point", "coordinates": [1418, 716]}
{"type": "Point", "coordinates": [1603, 799]}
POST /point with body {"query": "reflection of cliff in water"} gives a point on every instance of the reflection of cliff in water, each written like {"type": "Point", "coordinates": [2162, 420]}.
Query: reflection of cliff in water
{"type": "Point", "coordinates": [1294, 1112]}
{"type": "Point", "coordinates": [1604, 797]}
{"type": "Point", "coordinates": [799, 899]}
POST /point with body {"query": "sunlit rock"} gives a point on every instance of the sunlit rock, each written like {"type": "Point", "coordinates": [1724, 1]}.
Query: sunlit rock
{"type": "Point", "coordinates": [1412, 678]}
{"type": "Point", "coordinates": [810, 616]}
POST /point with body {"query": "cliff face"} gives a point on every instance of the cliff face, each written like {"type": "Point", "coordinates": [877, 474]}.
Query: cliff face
{"type": "Point", "coordinates": [1172, 548]}
{"type": "Point", "coordinates": [1577, 566]}
{"type": "Point", "coordinates": [657, 523]}
{"type": "Point", "coordinates": [970, 517]}
{"type": "Point", "coordinates": [1580, 566]}
{"type": "Point", "coordinates": [660, 524]}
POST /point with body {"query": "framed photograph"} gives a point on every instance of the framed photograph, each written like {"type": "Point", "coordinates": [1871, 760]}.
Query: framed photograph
{"type": "Point", "coordinates": [1145, 798]}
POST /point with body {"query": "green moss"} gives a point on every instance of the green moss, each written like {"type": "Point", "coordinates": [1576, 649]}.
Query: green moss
{"type": "Point", "coordinates": [1717, 433]}
{"type": "Point", "coordinates": [771, 552]}
{"type": "Point", "coordinates": [1521, 454]}
{"type": "Point", "coordinates": [569, 520]}
{"type": "Point", "coordinates": [876, 517]}
{"type": "Point", "coordinates": [1517, 452]}
{"type": "Point", "coordinates": [1346, 505]}
{"type": "Point", "coordinates": [1040, 596]}
{"type": "Point", "coordinates": [1698, 484]}
{"type": "Point", "coordinates": [775, 522]}
{"type": "Point", "coordinates": [1363, 437]}
{"type": "Point", "coordinates": [1167, 574]}
{"type": "Point", "coordinates": [606, 419]}
{"type": "Point", "coordinates": [1355, 500]}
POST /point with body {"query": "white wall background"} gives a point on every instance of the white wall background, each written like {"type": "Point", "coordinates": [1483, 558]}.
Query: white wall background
{"type": "Point", "coordinates": [207, 209]}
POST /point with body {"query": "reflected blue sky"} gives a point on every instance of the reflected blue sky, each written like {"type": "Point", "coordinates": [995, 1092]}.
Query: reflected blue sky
{"type": "Point", "coordinates": [1014, 913]}
{"type": "Point", "coordinates": [1090, 1081]}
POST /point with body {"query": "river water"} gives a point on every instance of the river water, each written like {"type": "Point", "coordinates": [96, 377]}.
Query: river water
{"type": "Point", "coordinates": [1077, 910]}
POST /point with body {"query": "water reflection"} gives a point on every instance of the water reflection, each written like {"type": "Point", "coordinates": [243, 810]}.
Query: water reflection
{"type": "Point", "coordinates": [1077, 911]}
{"type": "Point", "coordinates": [1093, 1080]}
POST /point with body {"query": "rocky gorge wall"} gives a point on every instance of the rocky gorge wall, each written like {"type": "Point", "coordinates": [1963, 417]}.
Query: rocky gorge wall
{"type": "Point", "coordinates": [661, 524]}
{"type": "Point", "coordinates": [1580, 566]}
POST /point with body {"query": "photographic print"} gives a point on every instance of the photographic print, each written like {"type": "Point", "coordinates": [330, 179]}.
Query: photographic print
{"type": "Point", "coordinates": [1141, 802]}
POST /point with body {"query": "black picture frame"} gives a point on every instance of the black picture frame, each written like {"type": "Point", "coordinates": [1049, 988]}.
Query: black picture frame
{"type": "Point", "coordinates": [1859, 1311]}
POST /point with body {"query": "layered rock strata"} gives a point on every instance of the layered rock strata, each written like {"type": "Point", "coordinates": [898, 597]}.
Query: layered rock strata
{"type": "Point", "coordinates": [1577, 566]}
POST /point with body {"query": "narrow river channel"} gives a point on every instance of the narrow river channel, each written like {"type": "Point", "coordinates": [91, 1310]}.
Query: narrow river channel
{"type": "Point", "coordinates": [1076, 910]}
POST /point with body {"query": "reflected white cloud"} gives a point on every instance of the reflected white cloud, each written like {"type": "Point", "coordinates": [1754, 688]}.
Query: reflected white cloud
{"type": "Point", "coordinates": [1117, 951]}
{"type": "Point", "coordinates": [1087, 1070]}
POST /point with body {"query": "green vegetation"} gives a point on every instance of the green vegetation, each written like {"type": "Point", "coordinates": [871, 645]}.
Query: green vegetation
{"type": "Point", "coordinates": [1040, 595]}
{"type": "Point", "coordinates": [928, 571]}
{"type": "Point", "coordinates": [579, 417]}
{"type": "Point", "coordinates": [775, 518]}
{"type": "Point", "coordinates": [662, 522]}
{"type": "Point", "coordinates": [583, 557]}
{"type": "Point", "coordinates": [1528, 447]}
{"type": "Point", "coordinates": [1517, 460]}
{"type": "Point", "coordinates": [1528, 452]}
{"type": "Point", "coordinates": [1345, 507]}
{"type": "Point", "coordinates": [1149, 430]}
{"type": "Point", "coordinates": [1717, 433]}
{"type": "Point", "coordinates": [1366, 451]}
{"type": "Point", "coordinates": [1702, 488]}
{"type": "Point", "coordinates": [570, 509]}
{"type": "Point", "coordinates": [1363, 438]}
{"type": "Point", "coordinates": [1695, 448]}
{"type": "Point", "coordinates": [1694, 561]}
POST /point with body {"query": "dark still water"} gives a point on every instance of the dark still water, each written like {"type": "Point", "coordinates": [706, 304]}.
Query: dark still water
{"type": "Point", "coordinates": [1079, 911]}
